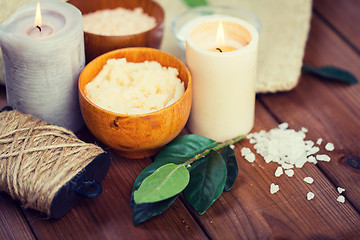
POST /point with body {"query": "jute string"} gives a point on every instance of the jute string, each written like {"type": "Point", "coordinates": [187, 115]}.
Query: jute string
{"type": "Point", "coordinates": [38, 158]}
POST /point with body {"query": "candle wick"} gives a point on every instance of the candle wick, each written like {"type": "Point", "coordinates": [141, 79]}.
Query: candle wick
{"type": "Point", "coordinates": [38, 27]}
{"type": "Point", "coordinates": [218, 49]}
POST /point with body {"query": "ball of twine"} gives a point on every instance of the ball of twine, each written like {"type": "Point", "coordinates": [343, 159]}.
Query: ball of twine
{"type": "Point", "coordinates": [38, 158]}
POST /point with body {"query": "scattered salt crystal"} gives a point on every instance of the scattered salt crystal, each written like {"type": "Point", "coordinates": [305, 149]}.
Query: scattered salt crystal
{"type": "Point", "coordinates": [232, 146]}
{"type": "Point", "coordinates": [274, 188]}
{"type": "Point", "coordinates": [323, 157]}
{"type": "Point", "coordinates": [305, 130]}
{"type": "Point", "coordinates": [309, 144]}
{"type": "Point", "coordinates": [341, 199]}
{"type": "Point", "coordinates": [250, 157]}
{"type": "Point", "coordinates": [245, 151]}
{"type": "Point", "coordinates": [284, 146]}
{"type": "Point", "coordinates": [310, 195]}
{"type": "Point", "coordinates": [262, 132]}
{"type": "Point", "coordinates": [289, 149]}
{"type": "Point", "coordinates": [287, 165]}
{"type": "Point", "coordinates": [309, 180]}
{"type": "Point", "coordinates": [268, 158]}
{"type": "Point", "coordinates": [313, 150]}
{"type": "Point", "coordinates": [312, 159]}
{"type": "Point", "coordinates": [249, 136]}
{"type": "Point", "coordinates": [329, 147]}
{"type": "Point", "coordinates": [300, 163]}
{"type": "Point", "coordinates": [289, 172]}
{"type": "Point", "coordinates": [284, 125]}
{"type": "Point", "coordinates": [340, 190]}
{"type": "Point", "coordinates": [278, 172]}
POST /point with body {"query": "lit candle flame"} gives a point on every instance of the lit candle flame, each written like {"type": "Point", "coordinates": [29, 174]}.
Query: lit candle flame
{"type": "Point", "coordinates": [220, 35]}
{"type": "Point", "coordinates": [37, 21]}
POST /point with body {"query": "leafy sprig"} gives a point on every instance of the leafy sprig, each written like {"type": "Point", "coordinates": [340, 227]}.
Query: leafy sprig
{"type": "Point", "coordinates": [189, 164]}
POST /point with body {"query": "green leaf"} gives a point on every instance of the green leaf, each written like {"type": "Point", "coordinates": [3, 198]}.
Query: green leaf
{"type": "Point", "coordinates": [177, 151]}
{"type": "Point", "coordinates": [332, 73]}
{"type": "Point", "coordinates": [207, 181]}
{"type": "Point", "coordinates": [167, 181]}
{"type": "Point", "coordinates": [149, 170]}
{"type": "Point", "coordinates": [145, 211]}
{"type": "Point", "coordinates": [185, 147]}
{"type": "Point", "coordinates": [228, 155]}
{"type": "Point", "coordinates": [140, 178]}
{"type": "Point", "coordinates": [196, 3]}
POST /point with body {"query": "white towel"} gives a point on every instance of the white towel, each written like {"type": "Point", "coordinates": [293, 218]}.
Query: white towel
{"type": "Point", "coordinates": [285, 27]}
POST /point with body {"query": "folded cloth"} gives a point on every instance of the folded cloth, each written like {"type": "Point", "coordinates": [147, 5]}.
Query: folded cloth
{"type": "Point", "coordinates": [285, 27]}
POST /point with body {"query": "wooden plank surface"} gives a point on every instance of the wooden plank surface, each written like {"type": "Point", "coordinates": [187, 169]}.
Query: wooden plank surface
{"type": "Point", "coordinates": [323, 108]}
{"type": "Point", "coordinates": [344, 17]}
{"type": "Point", "coordinates": [12, 223]}
{"type": "Point", "coordinates": [330, 110]}
{"type": "Point", "coordinates": [110, 216]}
{"type": "Point", "coordinates": [248, 211]}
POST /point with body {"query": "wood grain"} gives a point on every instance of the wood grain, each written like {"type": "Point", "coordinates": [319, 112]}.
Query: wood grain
{"type": "Point", "coordinates": [3, 101]}
{"type": "Point", "coordinates": [329, 110]}
{"type": "Point", "coordinates": [344, 16]}
{"type": "Point", "coordinates": [249, 211]}
{"type": "Point", "coordinates": [13, 224]}
{"type": "Point", "coordinates": [110, 217]}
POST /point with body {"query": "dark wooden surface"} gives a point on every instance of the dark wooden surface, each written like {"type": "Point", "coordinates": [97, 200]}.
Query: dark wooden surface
{"type": "Point", "coordinates": [329, 110]}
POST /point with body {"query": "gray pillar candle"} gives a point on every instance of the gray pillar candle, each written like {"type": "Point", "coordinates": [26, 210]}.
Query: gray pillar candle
{"type": "Point", "coordinates": [43, 62]}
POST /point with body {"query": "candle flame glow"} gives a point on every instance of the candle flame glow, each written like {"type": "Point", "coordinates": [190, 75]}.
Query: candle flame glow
{"type": "Point", "coordinates": [220, 35]}
{"type": "Point", "coordinates": [38, 21]}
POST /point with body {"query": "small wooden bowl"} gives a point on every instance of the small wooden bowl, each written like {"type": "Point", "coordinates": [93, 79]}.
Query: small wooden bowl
{"type": "Point", "coordinates": [142, 135]}
{"type": "Point", "coordinates": [95, 44]}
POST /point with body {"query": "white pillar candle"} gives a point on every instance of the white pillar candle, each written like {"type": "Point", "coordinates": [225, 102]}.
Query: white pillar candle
{"type": "Point", "coordinates": [42, 67]}
{"type": "Point", "coordinates": [223, 82]}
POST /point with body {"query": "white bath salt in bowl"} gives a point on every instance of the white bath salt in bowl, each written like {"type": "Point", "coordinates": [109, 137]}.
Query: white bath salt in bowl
{"type": "Point", "coordinates": [118, 22]}
{"type": "Point", "coordinates": [134, 88]}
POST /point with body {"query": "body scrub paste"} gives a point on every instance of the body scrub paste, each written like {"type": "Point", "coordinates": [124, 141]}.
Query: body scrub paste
{"type": "Point", "coordinates": [134, 88]}
{"type": "Point", "coordinates": [118, 22]}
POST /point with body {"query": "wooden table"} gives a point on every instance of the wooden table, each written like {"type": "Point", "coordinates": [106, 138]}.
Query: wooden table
{"type": "Point", "coordinates": [329, 110]}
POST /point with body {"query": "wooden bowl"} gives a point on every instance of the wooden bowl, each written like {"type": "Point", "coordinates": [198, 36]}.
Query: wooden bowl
{"type": "Point", "coordinates": [142, 135]}
{"type": "Point", "coordinates": [95, 44]}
